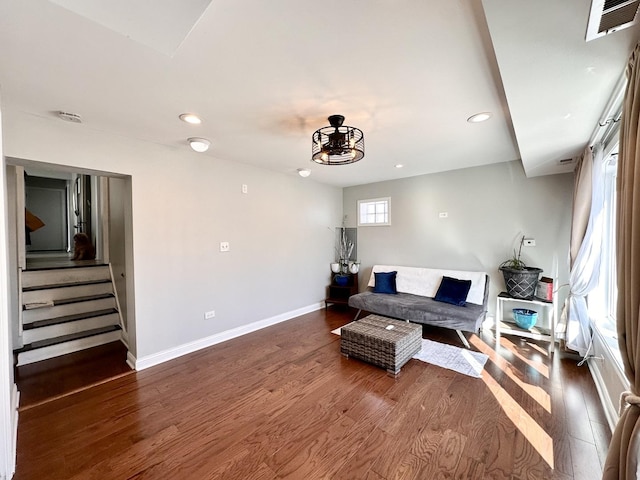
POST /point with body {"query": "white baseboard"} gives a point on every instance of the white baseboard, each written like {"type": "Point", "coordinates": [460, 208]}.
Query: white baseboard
{"type": "Point", "coordinates": [131, 360]}
{"type": "Point", "coordinates": [610, 410]}
{"type": "Point", "coordinates": [180, 350]}
{"type": "Point", "coordinates": [8, 466]}
{"type": "Point", "coordinates": [15, 404]}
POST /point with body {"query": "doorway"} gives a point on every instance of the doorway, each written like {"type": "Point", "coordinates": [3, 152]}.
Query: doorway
{"type": "Point", "coordinates": [68, 201]}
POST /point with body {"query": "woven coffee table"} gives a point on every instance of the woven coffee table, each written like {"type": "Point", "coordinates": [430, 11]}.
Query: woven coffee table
{"type": "Point", "coordinates": [382, 341]}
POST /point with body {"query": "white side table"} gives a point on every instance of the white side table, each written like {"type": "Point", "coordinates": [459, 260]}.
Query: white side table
{"type": "Point", "coordinates": [544, 328]}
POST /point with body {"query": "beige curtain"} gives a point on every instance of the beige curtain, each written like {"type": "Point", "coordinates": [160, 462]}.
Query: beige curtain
{"type": "Point", "coordinates": [624, 451]}
{"type": "Point", "coordinates": [581, 203]}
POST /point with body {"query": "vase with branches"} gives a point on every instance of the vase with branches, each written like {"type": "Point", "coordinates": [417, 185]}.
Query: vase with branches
{"type": "Point", "coordinates": [344, 249]}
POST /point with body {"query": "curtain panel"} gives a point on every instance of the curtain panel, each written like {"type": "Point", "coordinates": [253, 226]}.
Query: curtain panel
{"type": "Point", "coordinates": [585, 266]}
{"type": "Point", "coordinates": [624, 450]}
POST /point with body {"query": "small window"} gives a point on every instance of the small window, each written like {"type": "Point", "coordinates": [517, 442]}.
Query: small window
{"type": "Point", "coordinates": [376, 211]}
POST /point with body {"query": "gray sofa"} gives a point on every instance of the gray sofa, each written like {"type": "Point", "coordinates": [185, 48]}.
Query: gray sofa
{"type": "Point", "coordinates": [414, 301]}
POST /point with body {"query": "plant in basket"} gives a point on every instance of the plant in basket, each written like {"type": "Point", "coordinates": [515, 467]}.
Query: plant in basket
{"type": "Point", "coordinates": [521, 281]}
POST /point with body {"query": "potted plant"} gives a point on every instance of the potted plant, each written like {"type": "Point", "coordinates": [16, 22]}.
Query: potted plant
{"type": "Point", "coordinates": [521, 281]}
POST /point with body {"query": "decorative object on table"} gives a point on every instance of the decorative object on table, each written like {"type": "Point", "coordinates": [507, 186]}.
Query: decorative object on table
{"type": "Point", "coordinates": [345, 245]}
{"type": "Point", "coordinates": [525, 318]}
{"type": "Point", "coordinates": [337, 144]}
{"type": "Point", "coordinates": [544, 290]}
{"type": "Point", "coordinates": [521, 281]}
{"type": "Point", "coordinates": [335, 267]}
{"type": "Point", "coordinates": [341, 280]}
{"type": "Point", "coordinates": [354, 267]}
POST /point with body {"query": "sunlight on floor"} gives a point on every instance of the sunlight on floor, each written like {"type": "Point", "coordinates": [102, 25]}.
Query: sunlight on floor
{"type": "Point", "coordinates": [533, 432]}
{"type": "Point", "coordinates": [534, 391]}
{"type": "Point", "coordinates": [539, 366]}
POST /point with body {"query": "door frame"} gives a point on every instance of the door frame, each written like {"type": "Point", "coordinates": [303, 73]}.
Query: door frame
{"type": "Point", "coordinates": [12, 217]}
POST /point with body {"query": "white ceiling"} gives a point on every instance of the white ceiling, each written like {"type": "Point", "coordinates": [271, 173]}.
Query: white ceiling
{"type": "Point", "coordinates": [265, 75]}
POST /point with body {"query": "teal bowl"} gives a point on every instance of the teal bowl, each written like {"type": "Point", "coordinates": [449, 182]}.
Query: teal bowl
{"type": "Point", "coordinates": [525, 318]}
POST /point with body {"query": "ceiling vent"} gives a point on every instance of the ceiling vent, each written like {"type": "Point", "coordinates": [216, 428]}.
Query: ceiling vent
{"type": "Point", "coordinates": [566, 161]}
{"type": "Point", "coordinates": [70, 117]}
{"type": "Point", "coordinates": [609, 16]}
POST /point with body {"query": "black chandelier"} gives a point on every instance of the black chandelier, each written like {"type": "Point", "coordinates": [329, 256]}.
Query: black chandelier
{"type": "Point", "coordinates": [337, 144]}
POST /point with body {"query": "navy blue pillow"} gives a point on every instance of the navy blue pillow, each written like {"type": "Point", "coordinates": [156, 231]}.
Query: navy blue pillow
{"type": "Point", "coordinates": [453, 291]}
{"type": "Point", "coordinates": [385, 282]}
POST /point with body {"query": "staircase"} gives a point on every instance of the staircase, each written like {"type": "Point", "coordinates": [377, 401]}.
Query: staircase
{"type": "Point", "coordinates": [67, 309]}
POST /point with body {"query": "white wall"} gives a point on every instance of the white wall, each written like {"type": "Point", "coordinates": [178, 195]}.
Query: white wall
{"type": "Point", "coordinates": [11, 179]}
{"type": "Point", "coordinates": [8, 391]}
{"type": "Point", "coordinates": [184, 204]}
{"type": "Point", "coordinates": [118, 195]}
{"type": "Point", "coordinates": [489, 208]}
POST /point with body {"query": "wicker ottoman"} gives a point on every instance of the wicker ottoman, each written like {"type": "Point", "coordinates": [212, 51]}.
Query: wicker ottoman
{"type": "Point", "coordinates": [371, 340]}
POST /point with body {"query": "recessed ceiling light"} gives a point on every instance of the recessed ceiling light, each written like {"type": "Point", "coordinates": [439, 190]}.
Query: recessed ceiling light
{"type": "Point", "coordinates": [304, 172]}
{"type": "Point", "coordinates": [191, 118]}
{"type": "Point", "coordinates": [199, 145]}
{"type": "Point", "coordinates": [399, 165]}
{"type": "Point", "coordinates": [479, 117]}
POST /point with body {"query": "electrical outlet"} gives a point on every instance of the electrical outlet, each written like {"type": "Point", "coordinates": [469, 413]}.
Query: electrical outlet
{"type": "Point", "coordinates": [529, 242]}
{"type": "Point", "coordinates": [224, 246]}
{"type": "Point", "coordinates": [443, 214]}
{"type": "Point", "coordinates": [210, 314]}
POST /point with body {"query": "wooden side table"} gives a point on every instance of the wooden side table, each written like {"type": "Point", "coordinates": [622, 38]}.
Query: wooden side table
{"type": "Point", "coordinates": [339, 294]}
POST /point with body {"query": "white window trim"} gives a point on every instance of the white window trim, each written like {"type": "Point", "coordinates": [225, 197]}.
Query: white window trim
{"type": "Point", "coordinates": [373, 200]}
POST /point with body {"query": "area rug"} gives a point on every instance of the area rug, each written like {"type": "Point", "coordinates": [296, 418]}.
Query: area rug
{"type": "Point", "coordinates": [461, 360]}
{"type": "Point", "coordinates": [458, 359]}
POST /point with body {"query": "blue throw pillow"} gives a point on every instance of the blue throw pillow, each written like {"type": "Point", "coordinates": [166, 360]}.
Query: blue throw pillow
{"type": "Point", "coordinates": [385, 282]}
{"type": "Point", "coordinates": [453, 291]}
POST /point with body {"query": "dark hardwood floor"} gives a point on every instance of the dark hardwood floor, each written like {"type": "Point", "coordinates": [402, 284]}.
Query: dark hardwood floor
{"type": "Point", "coordinates": [283, 403]}
{"type": "Point", "coordinates": [47, 380]}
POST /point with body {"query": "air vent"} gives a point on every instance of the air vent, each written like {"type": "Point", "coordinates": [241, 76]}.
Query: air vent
{"type": "Point", "coordinates": [70, 117]}
{"type": "Point", "coordinates": [566, 161]}
{"type": "Point", "coordinates": [609, 16]}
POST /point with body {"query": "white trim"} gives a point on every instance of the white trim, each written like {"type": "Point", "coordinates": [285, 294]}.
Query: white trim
{"type": "Point", "coordinates": [115, 295]}
{"type": "Point", "coordinates": [15, 405]}
{"type": "Point", "coordinates": [8, 416]}
{"type": "Point", "coordinates": [32, 356]}
{"type": "Point", "coordinates": [131, 360]}
{"type": "Point", "coordinates": [604, 340]}
{"type": "Point", "coordinates": [375, 200]}
{"type": "Point", "coordinates": [184, 349]}
{"type": "Point", "coordinates": [610, 410]}
{"type": "Point", "coordinates": [596, 365]}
